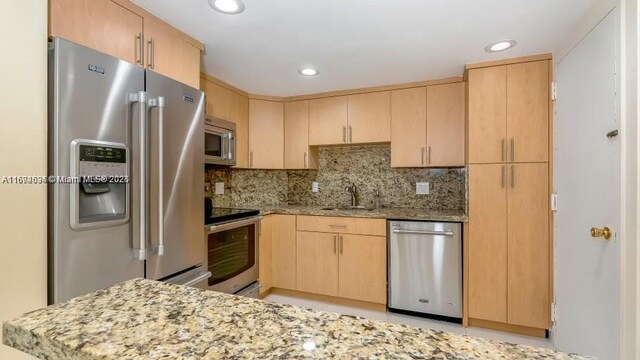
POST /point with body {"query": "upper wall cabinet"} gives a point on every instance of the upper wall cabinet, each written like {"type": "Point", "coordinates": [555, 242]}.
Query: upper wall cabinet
{"type": "Point", "coordinates": [266, 134]}
{"type": "Point", "coordinates": [509, 113]}
{"type": "Point", "coordinates": [352, 119]}
{"type": "Point", "coordinates": [427, 126]}
{"type": "Point", "coordinates": [328, 121]}
{"type": "Point", "coordinates": [218, 100]}
{"type": "Point", "coordinates": [98, 24]}
{"type": "Point", "coordinates": [168, 54]}
{"type": "Point", "coordinates": [297, 153]}
{"type": "Point", "coordinates": [126, 31]}
{"type": "Point", "coordinates": [369, 118]}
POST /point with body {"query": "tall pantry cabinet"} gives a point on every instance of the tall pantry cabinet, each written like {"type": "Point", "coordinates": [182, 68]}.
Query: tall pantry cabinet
{"type": "Point", "coordinates": [508, 238]}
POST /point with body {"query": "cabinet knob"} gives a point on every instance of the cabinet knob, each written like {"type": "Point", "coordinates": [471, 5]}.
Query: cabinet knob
{"type": "Point", "coordinates": [604, 232]}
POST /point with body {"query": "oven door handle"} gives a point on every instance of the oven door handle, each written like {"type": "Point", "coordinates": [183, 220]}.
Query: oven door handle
{"type": "Point", "coordinates": [233, 224]}
{"type": "Point", "coordinates": [203, 276]}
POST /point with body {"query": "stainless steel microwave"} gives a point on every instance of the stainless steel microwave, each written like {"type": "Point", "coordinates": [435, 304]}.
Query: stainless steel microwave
{"type": "Point", "coordinates": [219, 142]}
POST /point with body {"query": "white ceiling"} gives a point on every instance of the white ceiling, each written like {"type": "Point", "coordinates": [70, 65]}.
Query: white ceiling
{"type": "Point", "coordinates": [361, 43]}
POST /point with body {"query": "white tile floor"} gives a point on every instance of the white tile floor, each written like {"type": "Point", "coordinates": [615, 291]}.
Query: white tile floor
{"type": "Point", "coordinates": [410, 320]}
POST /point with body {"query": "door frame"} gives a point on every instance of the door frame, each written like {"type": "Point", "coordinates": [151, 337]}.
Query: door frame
{"type": "Point", "coordinates": [627, 88]}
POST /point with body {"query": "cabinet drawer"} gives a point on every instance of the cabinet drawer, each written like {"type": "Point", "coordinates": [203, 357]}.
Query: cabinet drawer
{"type": "Point", "coordinates": [342, 225]}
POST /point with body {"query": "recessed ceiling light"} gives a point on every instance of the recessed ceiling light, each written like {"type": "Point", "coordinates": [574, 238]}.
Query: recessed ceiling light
{"type": "Point", "coordinates": [308, 72]}
{"type": "Point", "coordinates": [227, 6]}
{"type": "Point", "coordinates": [501, 45]}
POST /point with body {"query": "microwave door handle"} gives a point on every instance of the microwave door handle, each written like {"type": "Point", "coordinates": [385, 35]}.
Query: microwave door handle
{"type": "Point", "coordinates": [231, 147]}
{"type": "Point", "coordinates": [140, 252]}
{"type": "Point", "coordinates": [159, 103]}
{"type": "Point", "coordinates": [223, 146]}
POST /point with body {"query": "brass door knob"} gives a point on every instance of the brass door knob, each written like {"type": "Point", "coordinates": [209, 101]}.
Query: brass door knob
{"type": "Point", "coordinates": [604, 232]}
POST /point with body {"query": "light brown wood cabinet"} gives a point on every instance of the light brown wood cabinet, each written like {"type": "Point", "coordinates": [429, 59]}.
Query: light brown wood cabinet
{"type": "Point", "coordinates": [297, 152]}
{"type": "Point", "coordinates": [446, 125]}
{"type": "Point", "coordinates": [168, 54]}
{"type": "Point", "coordinates": [409, 127]}
{"type": "Point", "coordinates": [219, 99]}
{"type": "Point", "coordinates": [509, 113]}
{"type": "Point", "coordinates": [332, 259]}
{"type": "Point", "coordinates": [362, 268]}
{"type": "Point", "coordinates": [266, 134]}
{"type": "Point", "coordinates": [126, 31]}
{"type": "Point", "coordinates": [317, 263]}
{"type": "Point", "coordinates": [265, 249]}
{"type": "Point", "coordinates": [98, 24]}
{"type": "Point", "coordinates": [428, 126]}
{"type": "Point", "coordinates": [369, 118]}
{"type": "Point", "coordinates": [328, 121]}
{"type": "Point", "coordinates": [283, 251]}
{"type": "Point", "coordinates": [239, 114]}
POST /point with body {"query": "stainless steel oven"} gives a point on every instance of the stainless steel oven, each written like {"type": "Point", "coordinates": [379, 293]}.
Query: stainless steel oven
{"type": "Point", "coordinates": [232, 254]}
{"type": "Point", "coordinates": [219, 142]}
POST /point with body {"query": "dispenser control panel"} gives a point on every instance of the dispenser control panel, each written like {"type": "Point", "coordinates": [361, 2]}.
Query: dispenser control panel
{"type": "Point", "coordinates": [100, 160]}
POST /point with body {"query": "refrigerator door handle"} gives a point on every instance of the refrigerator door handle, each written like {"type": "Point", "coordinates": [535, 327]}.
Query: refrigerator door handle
{"type": "Point", "coordinates": [140, 98]}
{"type": "Point", "coordinates": [159, 103]}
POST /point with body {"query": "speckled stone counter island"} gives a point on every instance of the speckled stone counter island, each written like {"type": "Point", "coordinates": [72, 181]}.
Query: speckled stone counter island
{"type": "Point", "coordinates": [381, 213]}
{"type": "Point", "coordinates": [144, 319]}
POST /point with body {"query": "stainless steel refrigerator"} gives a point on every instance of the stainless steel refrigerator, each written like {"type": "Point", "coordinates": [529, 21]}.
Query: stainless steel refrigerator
{"type": "Point", "coordinates": [126, 150]}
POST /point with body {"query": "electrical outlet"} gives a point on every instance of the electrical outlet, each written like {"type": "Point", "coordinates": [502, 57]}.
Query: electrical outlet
{"type": "Point", "coordinates": [314, 187]}
{"type": "Point", "coordinates": [207, 189]}
{"type": "Point", "coordinates": [422, 188]}
{"type": "Point", "coordinates": [219, 188]}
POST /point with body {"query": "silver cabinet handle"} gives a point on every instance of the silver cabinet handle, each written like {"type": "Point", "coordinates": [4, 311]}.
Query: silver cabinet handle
{"type": "Point", "coordinates": [159, 103]}
{"type": "Point", "coordinates": [429, 155]}
{"type": "Point", "coordinates": [335, 244]}
{"type": "Point", "coordinates": [350, 134]}
{"type": "Point", "coordinates": [140, 226]}
{"type": "Point", "coordinates": [423, 232]}
{"type": "Point", "coordinates": [422, 156]}
{"type": "Point", "coordinates": [201, 277]}
{"type": "Point", "coordinates": [250, 159]}
{"type": "Point", "coordinates": [503, 151]}
{"type": "Point", "coordinates": [504, 176]}
{"type": "Point", "coordinates": [152, 62]}
{"type": "Point", "coordinates": [513, 149]}
{"type": "Point", "coordinates": [513, 176]}
{"type": "Point", "coordinates": [341, 244]}
{"type": "Point", "coordinates": [305, 160]}
{"type": "Point", "coordinates": [338, 226]}
{"type": "Point", "coordinates": [344, 134]}
{"type": "Point", "coordinates": [139, 49]}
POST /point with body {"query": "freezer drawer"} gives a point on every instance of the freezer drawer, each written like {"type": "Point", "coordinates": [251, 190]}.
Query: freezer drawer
{"type": "Point", "coordinates": [425, 268]}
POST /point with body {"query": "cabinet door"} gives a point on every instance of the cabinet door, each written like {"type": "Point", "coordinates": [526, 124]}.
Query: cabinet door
{"type": "Point", "coordinates": [445, 125]}
{"type": "Point", "coordinates": [317, 263]}
{"type": "Point", "coordinates": [528, 111]}
{"type": "Point", "coordinates": [409, 127]}
{"type": "Point", "coordinates": [363, 268]}
{"type": "Point", "coordinates": [218, 100]}
{"type": "Point", "coordinates": [265, 255]}
{"type": "Point", "coordinates": [239, 114]}
{"type": "Point", "coordinates": [266, 134]}
{"type": "Point", "coordinates": [369, 117]}
{"type": "Point", "coordinates": [488, 242]}
{"type": "Point", "coordinates": [487, 115]}
{"type": "Point", "coordinates": [328, 121]}
{"type": "Point", "coordinates": [283, 251]}
{"type": "Point", "coordinates": [98, 24]}
{"type": "Point", "coordinates": [528, 234]}
{"type": "Point", "coordinates": [297, 154]}
{"type": "Point", "coordinates": [170, 55]}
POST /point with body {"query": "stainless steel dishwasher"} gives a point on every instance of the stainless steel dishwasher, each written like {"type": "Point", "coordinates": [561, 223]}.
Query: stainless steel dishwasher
{"type": "Point", "coordinates": [425, 269]}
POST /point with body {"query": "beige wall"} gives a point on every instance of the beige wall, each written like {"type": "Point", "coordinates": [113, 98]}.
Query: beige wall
{"type": "Point", "coordinates": [23, 142]}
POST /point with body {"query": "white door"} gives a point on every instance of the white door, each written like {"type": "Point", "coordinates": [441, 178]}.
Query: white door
{"type": "Point", "coordinates": [587, 179]}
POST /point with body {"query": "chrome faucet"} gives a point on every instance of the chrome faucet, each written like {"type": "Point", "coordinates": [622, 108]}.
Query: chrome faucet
{"type": "Point", "coordinates": [353, 190]}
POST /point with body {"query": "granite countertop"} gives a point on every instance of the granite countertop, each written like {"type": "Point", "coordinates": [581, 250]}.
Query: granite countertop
{"type": "Point", "coordinates": [380, 213]}
{"type": "Point", "coordinates": [145, 319]}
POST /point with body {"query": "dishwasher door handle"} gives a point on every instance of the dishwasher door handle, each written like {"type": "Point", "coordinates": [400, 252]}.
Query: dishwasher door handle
{"type": "Point", "coordinates": [423, 232]}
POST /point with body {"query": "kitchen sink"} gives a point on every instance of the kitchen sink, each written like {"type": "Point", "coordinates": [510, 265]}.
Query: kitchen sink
{"type": "Point", "coordinates": [343, 208]}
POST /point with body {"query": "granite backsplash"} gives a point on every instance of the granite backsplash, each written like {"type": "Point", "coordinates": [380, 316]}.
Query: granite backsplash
{"type": "Point", "coordinates": [368, 167]}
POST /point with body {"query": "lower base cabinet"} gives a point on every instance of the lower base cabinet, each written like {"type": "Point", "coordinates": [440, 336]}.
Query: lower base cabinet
{"type": "Point", "coordinates": [343, 265]}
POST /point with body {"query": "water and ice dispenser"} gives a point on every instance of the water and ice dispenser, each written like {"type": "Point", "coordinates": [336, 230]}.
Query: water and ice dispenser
{"type": "Point", "coordinates": [100, 198]}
